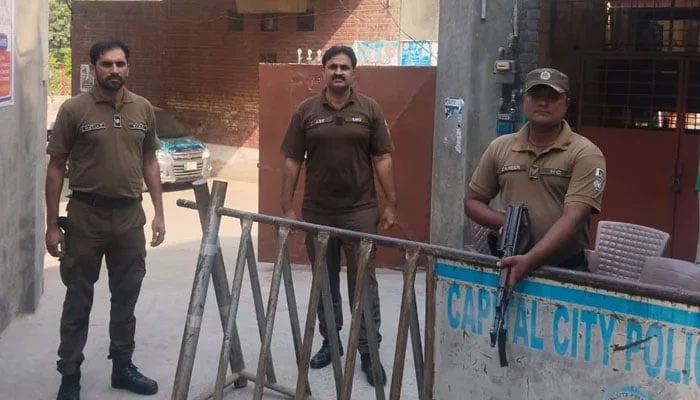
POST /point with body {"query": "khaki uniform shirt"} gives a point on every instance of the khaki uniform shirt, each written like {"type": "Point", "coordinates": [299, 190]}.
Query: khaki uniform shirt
{"type": "Point", "coordinates": [338, 145]}
{"type": "Point", "coordinates": [571, 170]}
{"type": "Point", "coordinates": [105, 144]}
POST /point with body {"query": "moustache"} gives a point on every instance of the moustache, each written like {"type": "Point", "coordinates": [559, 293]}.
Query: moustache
{"type": "Point", "coordinates": [338, 77]}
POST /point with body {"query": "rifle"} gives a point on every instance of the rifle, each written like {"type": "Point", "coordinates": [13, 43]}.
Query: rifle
{"type": "Point", "coordinates": [514, 239]}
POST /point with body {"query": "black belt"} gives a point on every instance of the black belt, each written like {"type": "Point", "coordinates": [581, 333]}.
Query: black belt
{"type": "Point", "coordinates": [576, 262]}
{"type": "Point", "coordinates": [100, 201]}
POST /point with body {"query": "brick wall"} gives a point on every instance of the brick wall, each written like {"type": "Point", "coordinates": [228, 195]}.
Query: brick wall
{"type": "Point", "coordinates": [94, 21]}
{"type": "Point", "coordinates": [530, 42]}
{"type": "Point", "coordinates": [185, 58]}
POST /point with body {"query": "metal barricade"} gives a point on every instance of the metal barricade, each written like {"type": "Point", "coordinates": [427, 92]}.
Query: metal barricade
{"type": "Point", "coordinates": [210, 264]}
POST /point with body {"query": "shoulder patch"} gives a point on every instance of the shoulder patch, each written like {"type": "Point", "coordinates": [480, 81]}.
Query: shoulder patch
{"type": "Point", "coordinates": [598, 184]}
{"type": "Point", "coordinates": [600, 173]}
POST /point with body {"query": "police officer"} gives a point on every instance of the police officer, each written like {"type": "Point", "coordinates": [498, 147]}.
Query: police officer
{"type": "Point", "coordinates": [109, 135]}
{"type": "Point", "coordinates": [343, 137]}
{"type": "Point", "coordinates": [558, 174]}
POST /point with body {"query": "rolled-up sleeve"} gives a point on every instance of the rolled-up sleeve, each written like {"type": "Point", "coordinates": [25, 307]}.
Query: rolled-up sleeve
{"type": "Point", "coordinates": [294, 144]}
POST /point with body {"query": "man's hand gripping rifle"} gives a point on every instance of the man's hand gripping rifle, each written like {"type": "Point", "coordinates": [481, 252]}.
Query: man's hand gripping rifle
{"type": "Point", "coordinates": [514, 239]}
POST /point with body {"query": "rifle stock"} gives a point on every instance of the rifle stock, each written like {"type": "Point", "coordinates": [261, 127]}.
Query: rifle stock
{"type": "Point", "coordinates": [513, 240]}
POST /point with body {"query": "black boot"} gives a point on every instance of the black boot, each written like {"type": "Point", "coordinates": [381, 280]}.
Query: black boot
{"type": "Point", "coordinates": [323, 357]}
{"type": "Point", "coordinates": [70, 387]}
{"type": "Point", "coordinates": [125, 375]}
{"type": "Point", "coordinates": [367, 369]}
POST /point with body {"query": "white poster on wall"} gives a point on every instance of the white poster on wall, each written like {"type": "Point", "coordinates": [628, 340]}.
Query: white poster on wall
{"type": "Point", "coordinates": [377, 52]}
{"type": "Point", "coordinates": [7, 31]}
{"type": "Point", "coordinates": [87, 80]}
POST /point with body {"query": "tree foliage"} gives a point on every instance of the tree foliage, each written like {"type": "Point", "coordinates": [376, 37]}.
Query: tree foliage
{"type": "Point", "coordinates": [59, 46]}
{"type": "Point", "coordinates": [59, 25]}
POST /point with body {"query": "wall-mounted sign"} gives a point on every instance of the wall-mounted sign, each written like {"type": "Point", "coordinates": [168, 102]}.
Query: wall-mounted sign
{"type": "Point", "coordinates": [419, 53]}
{"type": "Point", "coordinates": [6, 51]}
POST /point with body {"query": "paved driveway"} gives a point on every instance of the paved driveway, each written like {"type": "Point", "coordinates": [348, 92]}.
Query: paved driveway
{"type": "Point", "coordinates": [28, 345]}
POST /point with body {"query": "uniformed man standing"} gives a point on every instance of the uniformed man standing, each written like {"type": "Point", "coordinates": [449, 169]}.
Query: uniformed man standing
{"type": "Point", "coordinates": [558, 174]}
{"type": "Point", "coordinates": [110, 137]}
{"type": "Point", "coordinates": [344, 139]}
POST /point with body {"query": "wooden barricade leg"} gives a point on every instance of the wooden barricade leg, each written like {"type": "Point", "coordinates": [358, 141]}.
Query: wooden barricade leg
{"type": "Point", "coordinates": [259, 309]}
{"type": "Point", "coordinates": [233, 310]}
{"type": "Point", "coordinates": [282, 235]}
{"type": "Point", "coordinates": [292, 307]}
{"type": "Point", "coordinates": [416, 346]}
{"type": "Point", "coordinates": [220, 281]}
{"type": "Point", "coordinates": [406, 317]}
{"type": "Point", "coordinates": [373, 341]}
{"type": "Point", "coordinates": [429, 371]}
{"type": "Point", "coordinates": [319, 265]}
{"type": "Point", "coordinates": [205, 260]}
{"type": "Point", "coordinates": [331, 327]}
{"type": "Point", "coordinates": [365, 249]}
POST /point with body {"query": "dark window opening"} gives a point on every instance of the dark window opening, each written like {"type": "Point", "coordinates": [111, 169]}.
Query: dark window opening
{"type": "Point", "coordinates": [305, 22]}
{"type": "Point", "coordinates": [268, 23]}
{"type": "Point", "coordinates": [641, 93]}
{"type": "Point", "coordinates": [639, 68]}
{"type": "Point", "coordinates": [235, 21]}
{"type": "Point", "coordinates": [268, 57]}
{"type": "Point", "coordinates": [661, 25]}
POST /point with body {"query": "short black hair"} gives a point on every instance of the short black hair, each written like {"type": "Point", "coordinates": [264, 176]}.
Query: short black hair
{"type": "Point", "coordinates": [103, 46]}
{"type": "Point", "coordinates": [335, 50]}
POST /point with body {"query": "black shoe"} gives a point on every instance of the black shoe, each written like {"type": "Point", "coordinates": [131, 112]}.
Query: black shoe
{"type": "Point", "coordinates": [125, 375]}
{"type": "Point", "coordinates": [323, 357]}
{"type": "Point", "coordinates": [367, 369]}
{"type": "Point", "coordinates": [70, 387]}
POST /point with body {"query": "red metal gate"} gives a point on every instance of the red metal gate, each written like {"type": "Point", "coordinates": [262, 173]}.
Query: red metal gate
{"type": "Point", "coordinates": [407, 97]}
{"type": "Point", "coordinates": [643, 112]}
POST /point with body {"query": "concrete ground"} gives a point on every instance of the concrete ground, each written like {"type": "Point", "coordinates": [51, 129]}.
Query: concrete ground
{"type": "Point", "coordinates": [28, 346]}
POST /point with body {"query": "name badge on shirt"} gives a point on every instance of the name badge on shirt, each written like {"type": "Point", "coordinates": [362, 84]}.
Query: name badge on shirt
{"type": "Point", "coordinates": [555, 172]}
{"type": "Point", "coordinates": [511, 168]}
{"type": "Point", "coordinates": [137, 126]}
{"type": "Point", "coordinates": [319, 121]}
{"type": "Point", "coordinates": [95, 126]}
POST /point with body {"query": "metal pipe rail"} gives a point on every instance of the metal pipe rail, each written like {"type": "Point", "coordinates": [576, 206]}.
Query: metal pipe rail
{"type": "Point", "coordinates": [424, 248]}
{"type": "Point", "coordinates": [480, 260]}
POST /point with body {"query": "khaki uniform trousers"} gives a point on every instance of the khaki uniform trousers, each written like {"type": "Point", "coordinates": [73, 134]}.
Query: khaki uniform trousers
{"type": "Point", "coordinates": [362, 221]}
{"type": "Point", "coordinates": [94, 232]}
